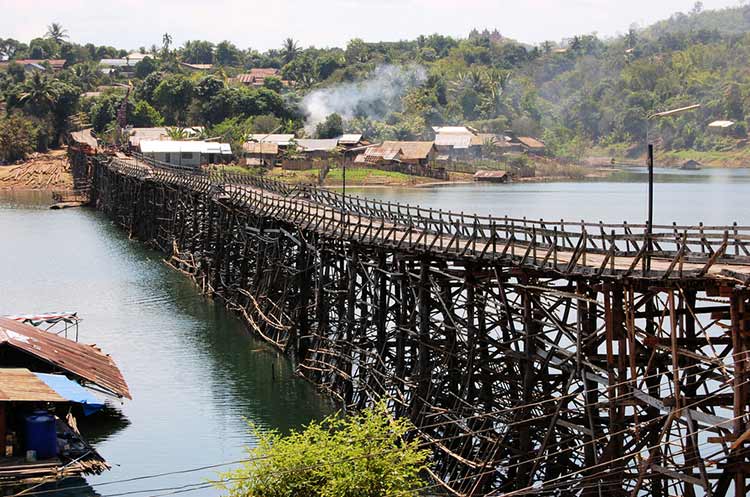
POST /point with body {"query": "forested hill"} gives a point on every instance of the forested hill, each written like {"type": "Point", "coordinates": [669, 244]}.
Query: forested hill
{"type": "Point", "coordinates": [725, 21]}
{"type": "Point", "coordinates": [578, 94]}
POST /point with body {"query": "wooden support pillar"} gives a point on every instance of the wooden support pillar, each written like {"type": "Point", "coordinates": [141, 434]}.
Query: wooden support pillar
{"type": "Point", "coordinates": [741, 349]}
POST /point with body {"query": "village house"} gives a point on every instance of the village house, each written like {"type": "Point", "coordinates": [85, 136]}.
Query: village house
{"type": "Point", "coordinates": [721, 127]}
{"type": "Point", "coordinates": [42, 380]}
{"type": "Point", "coordinates": [186, 154]}
{"type": "Point", "coordinates": [135, 135]}
{"type": "Point", "coordinates": [256, 77]}
{"type": "Point", "coordinates": [317, 148]}
{"type": "Point", "coordinates": [417, 153]}
{"type": "Point", "coordinates": [524, 144]}
{"type": "Point", "coordinates": [32, 65]}
{"type": "Point", "coordinates": [197, 67]}
{"type": "Point", "coordinates": [260, 153]}
{"type": "Point", "coordinates": [465, 143]}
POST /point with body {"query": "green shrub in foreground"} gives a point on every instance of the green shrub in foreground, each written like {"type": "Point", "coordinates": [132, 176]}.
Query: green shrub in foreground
{"type": "Point", "coordinates": [363, 455]}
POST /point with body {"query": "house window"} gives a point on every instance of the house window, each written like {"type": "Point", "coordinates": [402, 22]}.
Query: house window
{"type": "Point", "coordinates": [186, 155]}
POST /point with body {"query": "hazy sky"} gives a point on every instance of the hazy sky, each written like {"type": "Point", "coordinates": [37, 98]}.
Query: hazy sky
{"type": "Point", "coordinates": [264, 24]}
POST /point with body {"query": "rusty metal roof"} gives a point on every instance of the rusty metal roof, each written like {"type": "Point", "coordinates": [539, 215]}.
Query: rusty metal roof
{"type": "Point", "coordinates": [389, 150]}
{"type": "Point", "coordinates": [261, 148]}
{"type": "Point", "coordinates": [87, 362]}
{"type": "Point", "coordinates": [530, 142]}
{"type": "Point", "coordinates": [21, 385]}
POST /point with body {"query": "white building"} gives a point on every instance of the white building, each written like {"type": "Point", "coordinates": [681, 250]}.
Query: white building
{"type": "Point", "coordinates": [186, 153]}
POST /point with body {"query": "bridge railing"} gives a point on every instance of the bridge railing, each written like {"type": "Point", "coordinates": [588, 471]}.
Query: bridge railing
{"type": "Point", "coordinates": [475, 235]}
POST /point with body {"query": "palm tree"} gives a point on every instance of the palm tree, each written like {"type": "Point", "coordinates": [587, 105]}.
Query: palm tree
{"type": "Point", "coordinates": [57, 32]}
{"type": "Point", "coordinates": [39, 93]}
{"type": "Point", "coordinates": [289, 50]}
{"type": "Point", "coordinates": [166, 41]}
{"type": "Point", "coordinates": [87, 75]}
{"type": "Point", "coordinates": [176, 133]}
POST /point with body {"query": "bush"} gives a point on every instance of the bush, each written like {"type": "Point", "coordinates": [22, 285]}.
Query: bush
{"type": "Point", "coordinates": [356, 456]}
{"type": "Point", "coordinates": [18, 138]}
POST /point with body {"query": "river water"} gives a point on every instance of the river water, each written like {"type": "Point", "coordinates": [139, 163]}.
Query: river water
{"type": "Point", "coordinates": [194, 372]}
{"type": "Point", "coordinates": [714, 196]}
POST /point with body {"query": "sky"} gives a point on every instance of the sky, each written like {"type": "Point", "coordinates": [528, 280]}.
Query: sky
{"type": "Point", "coordinates": [261, 25]}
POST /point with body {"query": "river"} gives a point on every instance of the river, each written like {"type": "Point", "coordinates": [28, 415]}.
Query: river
{"type": "Point", "coordinates": [194, 372]}
{"type": "Point", "coordinates": [713, 196]}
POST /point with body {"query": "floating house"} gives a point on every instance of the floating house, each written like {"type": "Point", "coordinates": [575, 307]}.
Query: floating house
{"type": "Point", "coordinates": [42, 380]}
{"type": "Point", "coordinates": [491, 176]}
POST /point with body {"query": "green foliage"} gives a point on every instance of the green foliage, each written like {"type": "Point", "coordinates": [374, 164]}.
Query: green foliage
{"type": "Point", "coordinates": [145, 67]}
{"type": "Point", "coordinates": [18, 138]}
{"type": "Point", "coordinates": [332, 127]}
{"type": "Point", "coordinates": [172, 97]}
{"type": "Point", "coordinates": [145, 116]}
{"type": "Point", "coordinates": [364, 455]}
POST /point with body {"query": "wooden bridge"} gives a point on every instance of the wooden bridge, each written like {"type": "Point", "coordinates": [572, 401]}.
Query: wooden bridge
{"type": "Point", "coordinates": [533, 356]}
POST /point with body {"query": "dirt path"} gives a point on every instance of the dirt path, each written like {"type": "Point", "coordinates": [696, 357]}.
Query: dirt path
{"type": "Point", "coordinates": [48, 171]}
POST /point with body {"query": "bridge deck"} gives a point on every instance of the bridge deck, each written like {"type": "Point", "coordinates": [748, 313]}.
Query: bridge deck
{"type": "Point", "coordinates": [677, 252]}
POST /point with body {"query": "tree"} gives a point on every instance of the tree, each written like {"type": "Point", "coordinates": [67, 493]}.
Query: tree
{"type": "Point", "coordinates": [39, 94]}
{"type": "Point", "coordinates": [289, 50]}
{"type": "Point", "coordinates": [17, 138]}
{"type": "Point", "coordinates": [166, 42]}
{"type": "Point", "coordinates": [145, 116]}
{"type": "Point", "coordinates": [173, 96]}
{"type": "Point", "coordinates": [198, 52]}
{"type": "Point", "coordinates": [332, 127]}
{"type": "Point", "coordinates": [56, 32]}
{"type": "Point", "coordinates": [145, 67]}
{"type": "Point", "coordinates": [360, 455]}
{"type": "Point", "coordinates": [227, 54]}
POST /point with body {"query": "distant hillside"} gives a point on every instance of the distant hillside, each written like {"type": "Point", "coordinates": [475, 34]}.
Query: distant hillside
{"type": "Point", "coordinates": [733, 20]}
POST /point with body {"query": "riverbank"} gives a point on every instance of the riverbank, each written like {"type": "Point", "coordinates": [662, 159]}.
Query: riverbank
{"type": "Point", "coordinates": [374, 178]}
{"type": "Point", "coordinates": [41, 171]}
{"type": "Point", "coordinates": [737, 157]}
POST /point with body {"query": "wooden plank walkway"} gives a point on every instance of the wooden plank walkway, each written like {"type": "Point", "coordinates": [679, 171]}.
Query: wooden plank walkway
{"type": "Point", "coordinates": [531, 244]}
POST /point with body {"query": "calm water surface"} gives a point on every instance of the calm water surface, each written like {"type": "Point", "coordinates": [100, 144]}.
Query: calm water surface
{"type": "Point", "coordinates": [194, 372]}
{"type": "Point", "coordinates": [714, 196]}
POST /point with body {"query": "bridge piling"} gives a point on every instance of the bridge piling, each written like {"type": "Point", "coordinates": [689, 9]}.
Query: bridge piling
{"type": "Point", "coordinates": [529, 355]}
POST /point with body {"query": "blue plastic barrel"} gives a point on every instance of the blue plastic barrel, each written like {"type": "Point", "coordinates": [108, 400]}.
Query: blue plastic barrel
{"type": "Point", "coordinates": [41, 434]}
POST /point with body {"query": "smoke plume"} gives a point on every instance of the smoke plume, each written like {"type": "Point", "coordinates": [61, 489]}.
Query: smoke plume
{"type": "Point", "coordinates": [374, 97]}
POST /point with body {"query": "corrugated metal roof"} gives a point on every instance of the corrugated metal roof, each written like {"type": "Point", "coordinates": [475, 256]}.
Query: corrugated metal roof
{"type": "Point", "coordinates": [199, 67]}
{"type": "Point", "coordinates": [261, 148]}
{"type": "Point", "coordinates": [21, 385]}
{"type": "Point", "coordinates": [721, 124]}
{"type": "Point", "coordinates": [350, 138]}
{"type": "Point", "coordinates": [84, 361]}
{"type": "Point", "coordinates": [282, 140]}
{"type": "Point", "coordinates": [455, 140]}
{"type": "Point", "coordinates": [318, 145]}
{"type": "Point", "coordinates": [408, 150]}
{"type": "Point", "coordinates": [54, 63]}
{"type": "Point", "coordinates": [168, 146]}
{"type": "Point", "coordinates": [461, 130]}
{"type": "Point", "coordinates": [490, 174]}
{"type": "Point", "coordinates": [85, 137]}
{"type": "Point", "coordinates": [530, 142]}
